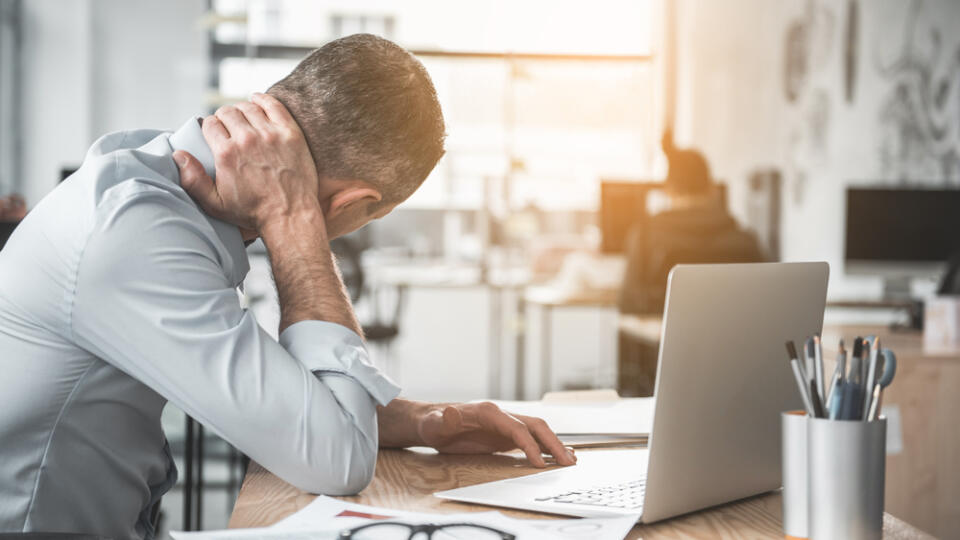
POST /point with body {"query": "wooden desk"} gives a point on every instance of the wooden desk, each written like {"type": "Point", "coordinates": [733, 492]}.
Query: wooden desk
{"type": "Point", "coordinates": [406, 479]}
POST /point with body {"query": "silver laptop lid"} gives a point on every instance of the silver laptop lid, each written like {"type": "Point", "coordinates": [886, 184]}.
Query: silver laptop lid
{"type": "Point", "coordinates": [723, 379]}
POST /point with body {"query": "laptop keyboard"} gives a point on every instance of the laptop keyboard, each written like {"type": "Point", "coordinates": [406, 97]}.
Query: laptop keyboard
{"type": "Point", "coordinates": [628, 495]}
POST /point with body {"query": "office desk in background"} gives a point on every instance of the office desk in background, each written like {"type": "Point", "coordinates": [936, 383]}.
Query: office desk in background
{"type": "Point", "coordinates": [547, 301]}
{"type": "Point", "coordinates": [406, 480]}
{"type": "Point", "coordinates": [922, 480]}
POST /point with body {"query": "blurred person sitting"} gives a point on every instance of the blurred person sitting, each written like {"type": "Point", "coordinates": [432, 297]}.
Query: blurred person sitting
{"type": "Point", "coordinates": [696, 229]}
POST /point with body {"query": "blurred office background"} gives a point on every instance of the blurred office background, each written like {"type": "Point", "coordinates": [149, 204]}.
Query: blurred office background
{"type": "Point", "coordinates": [502, 277]}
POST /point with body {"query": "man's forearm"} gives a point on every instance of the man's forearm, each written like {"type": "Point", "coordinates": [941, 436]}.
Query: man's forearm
{"type": "Point", "coordinates": [308, 280]}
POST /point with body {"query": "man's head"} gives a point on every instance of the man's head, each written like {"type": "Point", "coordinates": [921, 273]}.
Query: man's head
{"type": "Point", "coordinates": [688, 174]}
{"type": "Point", "coordinates": [371, 118]}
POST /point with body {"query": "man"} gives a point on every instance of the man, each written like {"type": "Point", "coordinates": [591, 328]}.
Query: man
{"type": "Point", "coordinates": [695, 229]}
{"type": "Point", "coordinates": [117, 294]}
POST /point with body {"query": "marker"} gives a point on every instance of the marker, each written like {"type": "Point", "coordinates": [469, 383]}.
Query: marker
{"type": "Point", "coordinates": [800, 377]}
{"type": "Point", "coordinates": [855, 360]}
{"type": "Point", "coordinates": [817, 404]}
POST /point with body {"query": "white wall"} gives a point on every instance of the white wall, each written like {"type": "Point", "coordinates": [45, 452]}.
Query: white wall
{"type": "Point", "coordinates": [94, 66]}
{"type": "Point", "coordinates": [732, 104]}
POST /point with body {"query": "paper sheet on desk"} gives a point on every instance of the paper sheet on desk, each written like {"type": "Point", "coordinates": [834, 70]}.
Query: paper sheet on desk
{"type": "Point", "coordinates": [325, 517]}
{"type": "Point", "coordinates": [625, 416]}
{"type": "Point", "coordinates": [324, 508]}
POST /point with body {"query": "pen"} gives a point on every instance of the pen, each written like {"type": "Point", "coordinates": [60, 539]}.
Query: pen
{"type": "Point", "coordinates": [818, 366]}
{"type": "Point", "coordinates": [871, 377]}
{"type": "Point", "coordinates": [837, 376]}
{"type": "Point", "coordinates": [874, 398]}
{"type": "Point", "coordinates": [800, 376]}
{"type": "Point", "coordinates": [809, 369]}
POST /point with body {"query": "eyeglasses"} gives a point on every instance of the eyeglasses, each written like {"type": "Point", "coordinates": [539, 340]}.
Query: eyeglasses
{"type": "Point", "coordinates": [391, 530]}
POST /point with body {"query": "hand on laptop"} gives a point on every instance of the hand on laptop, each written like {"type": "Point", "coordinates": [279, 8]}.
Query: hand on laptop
{"type": "Point", "coordinates": [480, 428]}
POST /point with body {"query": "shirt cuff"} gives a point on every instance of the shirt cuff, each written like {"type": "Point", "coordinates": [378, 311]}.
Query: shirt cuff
{"type": "Point", "coordinates": [326, 347]}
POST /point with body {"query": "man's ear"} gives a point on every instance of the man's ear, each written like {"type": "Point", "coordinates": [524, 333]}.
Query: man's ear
{"type": "Point", "coordinates": [351, 197]}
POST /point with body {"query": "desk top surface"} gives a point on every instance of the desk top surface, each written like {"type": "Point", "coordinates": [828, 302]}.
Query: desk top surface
{"type": "Point", "coordinates": [406, 480]}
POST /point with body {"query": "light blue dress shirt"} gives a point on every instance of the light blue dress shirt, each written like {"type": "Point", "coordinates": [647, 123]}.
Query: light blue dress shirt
{"type": "Point", "coordinates": [118, 294]}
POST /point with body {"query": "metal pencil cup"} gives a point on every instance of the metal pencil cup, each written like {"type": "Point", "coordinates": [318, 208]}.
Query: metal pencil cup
{"type": "Point", "coordinates": [846, 462]}
{"type": "Point", "coordinates": [795, 479]}
{"type": "Point", "coordinates": [833, 477]}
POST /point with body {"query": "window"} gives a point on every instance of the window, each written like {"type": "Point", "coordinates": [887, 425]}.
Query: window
{"type": "Point", "coordinates": [541, 99]}
{"type": "Point", "coordinates": [9, 97]}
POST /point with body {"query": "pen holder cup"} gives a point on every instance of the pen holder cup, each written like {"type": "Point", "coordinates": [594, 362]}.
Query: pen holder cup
{"type": "Point", "coordinates": [833, 477]}
{"type": "Point", "coordinates": [846, 463]}
{"type": "Point", "coordinates": [794, 433]}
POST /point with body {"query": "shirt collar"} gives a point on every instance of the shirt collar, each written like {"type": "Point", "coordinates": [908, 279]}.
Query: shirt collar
{"type": "Point", "coordinates": [189, 138]}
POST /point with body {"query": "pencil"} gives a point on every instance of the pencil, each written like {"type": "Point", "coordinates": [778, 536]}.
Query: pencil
{"type": "Point", "coordinates": [800, 376]}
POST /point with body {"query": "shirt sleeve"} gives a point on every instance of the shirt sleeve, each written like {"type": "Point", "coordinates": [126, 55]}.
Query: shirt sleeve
{"type": "Point", "coordinates": [151, 297]}
{"type": "Point", "coordinates": [327, 348]}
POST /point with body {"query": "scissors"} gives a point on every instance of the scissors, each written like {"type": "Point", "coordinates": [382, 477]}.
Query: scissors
{"type": "Point", "coordinates": [889, 371]}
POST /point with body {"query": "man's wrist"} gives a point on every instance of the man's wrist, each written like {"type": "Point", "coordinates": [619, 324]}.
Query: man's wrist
{"type": "Point", "coordinates": [282, 227]}
{"type": "Point", "coordinates": [400, 422]}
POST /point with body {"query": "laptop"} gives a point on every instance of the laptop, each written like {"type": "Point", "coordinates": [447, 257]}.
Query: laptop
{"type": "Point", "coordinates": [722, 381]}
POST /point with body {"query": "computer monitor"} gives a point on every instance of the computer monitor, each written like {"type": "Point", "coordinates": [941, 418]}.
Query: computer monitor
{"type": "Point", "coordinates": [901, 233]}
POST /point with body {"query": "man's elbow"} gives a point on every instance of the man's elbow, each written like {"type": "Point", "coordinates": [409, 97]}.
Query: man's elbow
{"type": "Point", "coordinates": [356, 476]}
{"type": "Point", "coordinates": [352, 485]}
{"type": "Point", "coordinates": [345, 472]}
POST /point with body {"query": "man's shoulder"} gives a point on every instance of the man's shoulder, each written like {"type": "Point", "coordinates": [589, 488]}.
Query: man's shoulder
{"type": "Point", "coordinates": [122, 140]}
{"type": "Point", "coordinates": [129, 167]}
{"type": "Point", "coordinates": [133, 154]}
